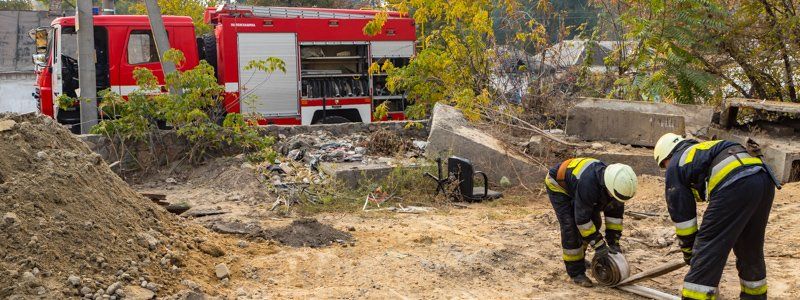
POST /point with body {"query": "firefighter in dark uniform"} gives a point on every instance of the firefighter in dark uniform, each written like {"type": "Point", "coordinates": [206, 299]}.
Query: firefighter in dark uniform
{"type": "Point", "coordinates": [739, 189]}
{"type": "Point", "coordinates": [579, 189]}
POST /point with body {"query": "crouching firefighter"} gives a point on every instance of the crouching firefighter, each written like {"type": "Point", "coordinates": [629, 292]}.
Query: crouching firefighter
{"type": "Point", "coordinates": [739, 189]}
{"type": "Point", "coordinates": [579, 189]}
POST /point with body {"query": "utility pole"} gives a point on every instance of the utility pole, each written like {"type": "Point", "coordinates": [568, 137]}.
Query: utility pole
{"type": "Point", "coordinates": [160, 37]}
{"type": "Point", "coordinates": [108, 7]}
{"type": "Point", "coordinates": [86, 67]}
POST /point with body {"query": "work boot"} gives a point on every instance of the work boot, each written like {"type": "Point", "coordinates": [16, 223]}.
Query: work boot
{"type": "Point", "coordinates": [582, 280]}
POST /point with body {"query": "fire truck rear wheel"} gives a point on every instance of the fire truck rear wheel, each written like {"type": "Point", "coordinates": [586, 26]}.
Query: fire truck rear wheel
{"type": "Point", "coordinates": [334, 120]}
{"type": "Point", "coordinates": [209, 50]}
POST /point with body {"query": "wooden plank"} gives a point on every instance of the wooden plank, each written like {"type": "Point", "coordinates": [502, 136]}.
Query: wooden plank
{"type": "Point", "coordinates": [654, 272]}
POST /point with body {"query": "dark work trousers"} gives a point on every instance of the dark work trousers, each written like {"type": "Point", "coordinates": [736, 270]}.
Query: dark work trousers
{"type": "Point", "coordinates": [736, 218]}
{"type": "Point", "coordinates": [571, 241]}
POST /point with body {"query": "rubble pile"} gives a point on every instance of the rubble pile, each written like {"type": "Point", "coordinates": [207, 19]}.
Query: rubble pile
{"type": "Point", "coordinates": [71, 228]}
{"type": "Point", "coordinates": [303, 153]}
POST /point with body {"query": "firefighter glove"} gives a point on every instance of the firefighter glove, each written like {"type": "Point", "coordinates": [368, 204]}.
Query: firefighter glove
{"type": "Point", "coordinates": [602, 251]}
{"type": "Point", "coordinates": [614, 248]}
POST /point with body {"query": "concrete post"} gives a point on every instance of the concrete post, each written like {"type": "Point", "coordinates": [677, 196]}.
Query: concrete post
{"type": "Point", "coordinates": [160, 37]}
{"type": "Point", "coordinates": [108, 7]}
{"type": "Point", "coordinates": [86, 65]}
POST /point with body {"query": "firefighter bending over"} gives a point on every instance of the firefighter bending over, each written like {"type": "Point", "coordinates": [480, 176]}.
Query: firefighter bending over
{"type": "Point", "coordinates": [579, 189]}
{"type": "Point", "coordinates": [739, 190]}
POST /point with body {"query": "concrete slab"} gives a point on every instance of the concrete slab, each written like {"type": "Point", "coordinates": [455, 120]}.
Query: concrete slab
{"type": "Point", "coordinates": [782, 155]}
{"type": "Point", "coordinates": [730, 108]}
{"type": "Point", "coordinates": [354, 173]}
{"type": "Point", "coordinates": [625, 122]}
{"type": "Point", "coordinates": [451, 134]}
{"type": "Point", "coordinates": [641, 160]}
{"type": "Point", "coordinates": [695, 116]}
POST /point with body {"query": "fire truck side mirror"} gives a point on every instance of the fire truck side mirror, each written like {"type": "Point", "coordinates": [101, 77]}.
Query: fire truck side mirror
{"type": "Point", "coordinates": [39, 60]}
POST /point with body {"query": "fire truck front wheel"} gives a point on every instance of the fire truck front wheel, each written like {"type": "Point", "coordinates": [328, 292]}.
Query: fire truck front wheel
{"type": "Point", "coordinates": [70, 118]}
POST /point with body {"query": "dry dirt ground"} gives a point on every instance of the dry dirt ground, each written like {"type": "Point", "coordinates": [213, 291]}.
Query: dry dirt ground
{"type": "Point", "coordinates": [503, 249]}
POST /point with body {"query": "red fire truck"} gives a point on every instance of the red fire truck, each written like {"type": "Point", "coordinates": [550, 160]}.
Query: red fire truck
{"type": "Point", "coordinates": [326, 53]}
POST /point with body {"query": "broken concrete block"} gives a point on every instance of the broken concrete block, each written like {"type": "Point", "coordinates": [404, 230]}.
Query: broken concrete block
{"type": "Point", "coordinates": [695, 116]}
{"type": "Point", "coordinates": [782, 155]}
{"type": "Point", "coordinates": [624, 122]}
{"type": "Point", "coordinates": [352, 173]}
{"type": "Point", "coordinates": [451, 135]}
{"type": "Point", "coordinates": [640, 159]}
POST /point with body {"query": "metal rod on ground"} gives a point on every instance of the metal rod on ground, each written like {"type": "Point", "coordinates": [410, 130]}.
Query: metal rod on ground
{"type": "Point", "coordinates": [160, 37]}
{"type": "Point", "coordinates": [648, 292]}
{"type": "Point", "coordinates": [86, 68]}
{"type": "Point", "coordinates": [654, 272]}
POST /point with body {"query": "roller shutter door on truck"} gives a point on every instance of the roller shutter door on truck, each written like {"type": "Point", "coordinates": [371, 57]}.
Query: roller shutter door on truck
{"type": "Point", "coordinates": [270, 94]}
{"type": "Point", "coordinates": [393, 49]}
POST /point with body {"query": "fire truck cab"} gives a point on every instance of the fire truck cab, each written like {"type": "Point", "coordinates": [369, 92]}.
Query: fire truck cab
{"type": "Point", "coordinates": [325, 51]}
{"type": "Point", "coordinates": [122, 43]}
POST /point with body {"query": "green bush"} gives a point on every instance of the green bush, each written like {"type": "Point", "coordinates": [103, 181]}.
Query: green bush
{"type": "Point", "coordinates": [196, 113]}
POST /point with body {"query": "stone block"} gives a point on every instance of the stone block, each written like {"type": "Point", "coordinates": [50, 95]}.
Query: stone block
{"type": "Point", "coordinates": [451, 135]}
{"type": "Point", "coordinates": [641, 160]}
{"type": "Point", "coordinates": [623, 122]}
{"type": "Point", "coordinates": [781, 154]}
{"type": "Point", "coordinates": [351, 174]}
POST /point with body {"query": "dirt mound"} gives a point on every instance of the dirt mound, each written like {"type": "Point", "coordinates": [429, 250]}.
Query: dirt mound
{"type": "Point", "coordinates": [307, 233]}
{"type": "Point", "coordinates": [72, 227]}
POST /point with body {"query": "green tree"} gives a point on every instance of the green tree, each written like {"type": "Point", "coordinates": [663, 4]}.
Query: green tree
{"type": "Point", "coordinates": [194, 114]}
{"type": "Point", "coordinates": [454, 64]}
{"type": "Point", "coordinates": [307, 3]}
{"type": "Point", "coordinates": [15, 5]}
{"type": "Point", "coordinates": [191, 8]}
{"type": "Point", "coordinates": [699, 51]}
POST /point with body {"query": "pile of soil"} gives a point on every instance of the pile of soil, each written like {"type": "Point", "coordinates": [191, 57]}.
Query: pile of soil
{"type": "Point", "coordinates": [71, 227]}
{"type": "Point", "coordinates": [307, 233]}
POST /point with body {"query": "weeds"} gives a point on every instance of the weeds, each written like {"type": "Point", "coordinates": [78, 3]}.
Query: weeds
{"type": "Point", "coordinates": [405, 186]}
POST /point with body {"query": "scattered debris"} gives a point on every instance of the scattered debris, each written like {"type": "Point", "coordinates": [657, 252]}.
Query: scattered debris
{"type": "Point", "coordinates": [377, 197]}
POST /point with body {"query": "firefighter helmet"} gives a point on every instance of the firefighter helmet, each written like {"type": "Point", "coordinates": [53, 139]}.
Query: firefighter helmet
{"type": "Point", "coordinates": [664, 147]}
{"type": "Point", "coordinates": [620, 181]}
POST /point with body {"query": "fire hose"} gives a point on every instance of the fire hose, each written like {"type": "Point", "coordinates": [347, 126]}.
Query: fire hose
{"type": "Point", "coordinates": [613, 270]}
{"type": "Point", "coordinates": [610, 269]}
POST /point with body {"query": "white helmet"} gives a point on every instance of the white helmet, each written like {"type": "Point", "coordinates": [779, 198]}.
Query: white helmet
{"type": "Point", "coordinates": [664, 147]}
{"type": "Point", "coordinates": [620, 181]}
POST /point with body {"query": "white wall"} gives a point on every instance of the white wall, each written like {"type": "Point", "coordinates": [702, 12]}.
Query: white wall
{"type": "Point", "coordinates": [15, 94]}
